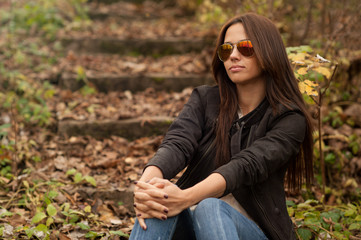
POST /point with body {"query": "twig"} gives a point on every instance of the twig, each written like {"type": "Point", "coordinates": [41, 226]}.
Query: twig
{"type": "Point", "coordinates": [309, 19]}
{"type": "Point", "coordinates": [14, 164]}
{"type": "Point", "coordinates": [12, 198]}
{"type": "Point", "coordinates": [319, 105]}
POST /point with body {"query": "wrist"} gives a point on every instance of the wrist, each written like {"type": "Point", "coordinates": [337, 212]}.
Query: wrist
{"type": "Point", "coordinates": [189, 197]}
{"type": "Point", "coordinates": [151, 172]}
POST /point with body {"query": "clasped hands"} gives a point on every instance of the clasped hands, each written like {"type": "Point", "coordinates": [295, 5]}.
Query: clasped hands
{"type": "Point", "coordinates": [158, 198]}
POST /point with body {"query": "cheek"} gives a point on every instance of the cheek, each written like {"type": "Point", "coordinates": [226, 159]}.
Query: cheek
{"type": "Point", "coordinates": [227, 64]}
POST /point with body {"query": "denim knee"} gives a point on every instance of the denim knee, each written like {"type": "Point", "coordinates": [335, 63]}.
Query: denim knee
{"type": "Point", "coordinates": [206, 205]}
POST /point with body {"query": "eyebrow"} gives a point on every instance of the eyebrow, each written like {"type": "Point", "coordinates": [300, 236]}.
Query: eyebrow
{"type": "Point", "coordinates": [239, 41]}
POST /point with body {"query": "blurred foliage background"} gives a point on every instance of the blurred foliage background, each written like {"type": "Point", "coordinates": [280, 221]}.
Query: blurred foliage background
{"type": "Point", "coordinates": [320, 35]}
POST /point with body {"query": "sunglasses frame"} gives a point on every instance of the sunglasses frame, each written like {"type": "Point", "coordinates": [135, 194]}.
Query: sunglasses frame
{"type": "Point", "coordinates": [234, 45]}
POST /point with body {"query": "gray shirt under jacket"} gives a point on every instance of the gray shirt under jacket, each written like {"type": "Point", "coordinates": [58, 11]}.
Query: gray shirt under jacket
{"type": "Point", "coordinates": [263, 143]}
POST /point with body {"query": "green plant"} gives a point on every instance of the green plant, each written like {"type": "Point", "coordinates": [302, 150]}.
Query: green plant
{"type": "Point", "coordinates": [316, 221]}
{"type": "Point", "coordinates": [334, 117]}
{"type": "Point", "coordinates": [78, 177]}
{"type": "Point", "coordinates": [43, 17]}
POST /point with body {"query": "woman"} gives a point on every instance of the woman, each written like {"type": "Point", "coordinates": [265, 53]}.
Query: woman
{"type": "Point", "coordinates": [237, 139]}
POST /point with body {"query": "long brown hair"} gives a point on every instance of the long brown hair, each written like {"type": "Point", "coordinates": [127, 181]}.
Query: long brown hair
{"type": "Point", "coordinates": [281, 88]}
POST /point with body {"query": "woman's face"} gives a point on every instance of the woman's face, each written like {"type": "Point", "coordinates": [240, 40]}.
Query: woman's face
{"type": "Point", "coordinates": [240, 69]}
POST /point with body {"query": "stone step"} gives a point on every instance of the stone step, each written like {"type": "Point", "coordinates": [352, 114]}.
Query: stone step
{"type": "Point", "coordinates": [132, 1]}
{"type": "Point", "coordinates": [130, 11]}
{"type": "Point", "coordinates": [128, 128]}
{"type": "Point", "coordinates": [108, 82]}
{"type": "Point", "coordinates": [152, 47]}
{"type": "Point", "coordinates": [110, 194]}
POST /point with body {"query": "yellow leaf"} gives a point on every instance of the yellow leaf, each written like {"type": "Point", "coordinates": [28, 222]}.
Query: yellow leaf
{"type": "Point", "coordinates": [87, 209]}
{"type": "Point", "coordinates": [302, 71]}
{"type": "Point", "coordinates": [310, 83]}
{"type": "Point", "coordinates": [305, 88]}
{"type": "Point", "coordinates": [298, 56]}
{"type": "Point", "coordinates": [324, 71]}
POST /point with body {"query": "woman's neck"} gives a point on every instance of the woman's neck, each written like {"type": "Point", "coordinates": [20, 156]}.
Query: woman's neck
{"type": "Point", "coordinates": [250, 96]}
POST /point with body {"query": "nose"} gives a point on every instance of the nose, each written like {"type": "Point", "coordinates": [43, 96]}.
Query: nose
{"type": "Point", "coordinates": [235, 55]}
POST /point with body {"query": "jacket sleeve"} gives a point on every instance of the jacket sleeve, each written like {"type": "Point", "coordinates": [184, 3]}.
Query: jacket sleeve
{"type": "Point", "coordinates": [181, 140]}
{"type": "Point", "coordinates": [266, 154]}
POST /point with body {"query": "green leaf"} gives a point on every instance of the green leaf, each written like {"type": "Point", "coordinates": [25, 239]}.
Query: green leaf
{"type": "Point", "coordinates": [339, 235]}
{"type": "Point", "coordinates": [42, 228]}
{"type": "Point", "coordinates": [1, 231]}
{"type": "Point", "coordinates": [291, 211]}
{"type": "Point", "coordinates": [304, 206]}
{"type": "Point", "coordinates": [305, 234]}
{"type": "Point", "coordinates": [334, 215]}
{"type": "Point", "coordinates": [338, 227]}
{"type": "Point", "coordinates": [354, 226]}
{"type": "Point", "coordinates": [90, 180]}
{"type": "Point", "coordinates": [73, 218]}
{"type": "Point", "coordinates": [29, 232]}
{"type": "Point", "coordinates": [350, 212]}
{"type": "Point", "coordinates": [51, 210]}
{"type": "Point", "coordinates": [52, 194]}
{"type": "Point", "coordinates": [92, 234]}
{"type": "Point", "coordinates": [6, 125]}
{"type": "Point", "coordinates": [71, 171]}
{"type": "Point", "coordinates": [49, 221]}
{"type": "Point", "coordinates": [330, 158]}
{"type": "Point", "coordinates": [6, 214]}
{"type": "Point", "coordinates": [78, 177]}
{"type": "Point", "coordinates": [66, 207]}
{"type": "Point", "coordinates": [38, 217]}
{"type": "Point", "coordinates": [119, 233]}
{"type": "Point", "coordinates": [290, 203]}
{"type": "Point", "coordinates": [83, 226]}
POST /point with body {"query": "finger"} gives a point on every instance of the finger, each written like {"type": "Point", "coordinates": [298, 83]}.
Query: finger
{"type": "Point", "coordinates": [151, 206]}
{"type": "Point", "coordinates": [144, 185]}
{"type": "Point", "coordinates": [158, 180]}
{"type": "Point", "coordinates": [151, 214]}
{"type": "Point", "coordinates": [143, 195]}
{"type": "Point", "coordinates": [142, 223]}
{"type": "Point", "coordinates": [159, 185]}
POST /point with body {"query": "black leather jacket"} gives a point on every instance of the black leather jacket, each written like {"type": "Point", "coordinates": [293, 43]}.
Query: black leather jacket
{"type": "Point", "coordinates": [262, 145]}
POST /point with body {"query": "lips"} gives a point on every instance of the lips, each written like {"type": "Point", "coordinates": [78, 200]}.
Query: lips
{"type": "Point", "coordinates": [236, 68]}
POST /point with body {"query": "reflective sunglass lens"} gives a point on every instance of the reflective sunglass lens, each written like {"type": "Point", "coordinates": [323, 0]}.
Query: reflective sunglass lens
{"type": "Point", "coordinates": [245, 48]}
{"type": "Point", "coordinates": [224, 51]}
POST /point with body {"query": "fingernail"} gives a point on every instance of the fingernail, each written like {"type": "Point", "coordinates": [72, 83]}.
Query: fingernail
{"type": "Point", "coordinates": [135, 205]}
{"type": "Point", "coordinates": [135, 182]}
{"type": "Point", "coordinates": [138, 215]}
{"type": "Point", "coordinates": [165, 210]}
{"type": "Point", "coordinates": [166, 196]}
{"type": "Point", "coordinates": [164, 217]}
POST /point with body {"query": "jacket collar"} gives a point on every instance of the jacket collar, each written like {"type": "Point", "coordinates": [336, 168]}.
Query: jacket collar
{"type": "Point", "coordinates": [251, 118]}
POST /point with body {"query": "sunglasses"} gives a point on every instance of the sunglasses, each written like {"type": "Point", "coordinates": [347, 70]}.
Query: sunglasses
{"type": "Point", "coordinates": [245, 47]}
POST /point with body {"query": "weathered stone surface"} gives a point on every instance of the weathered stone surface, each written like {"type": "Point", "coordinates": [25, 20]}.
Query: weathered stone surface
{"type": "Point", "coordinates": [153, 47]}
{"type": "Point", "coordinates": [128, 128]}
{"type": "Point", "coordinates": [109, 194]}
{"type": "Point", "coordinates": [132, 1]}
{"type": "Point", "coordinates": [107, 82]}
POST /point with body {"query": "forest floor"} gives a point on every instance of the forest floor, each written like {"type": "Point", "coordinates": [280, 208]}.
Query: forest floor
{"type": "Point", "coordinates": [60, 185]}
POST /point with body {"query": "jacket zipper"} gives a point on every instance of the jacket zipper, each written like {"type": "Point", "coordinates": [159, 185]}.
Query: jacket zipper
{"type": "Point", "coordinates": [254, 195]}
{"type": "Point", "coordinates": [264, 213]}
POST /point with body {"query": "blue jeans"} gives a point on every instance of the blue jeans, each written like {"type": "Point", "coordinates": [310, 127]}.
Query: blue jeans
{"type": "Point", "coordinates": [212, 219]}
